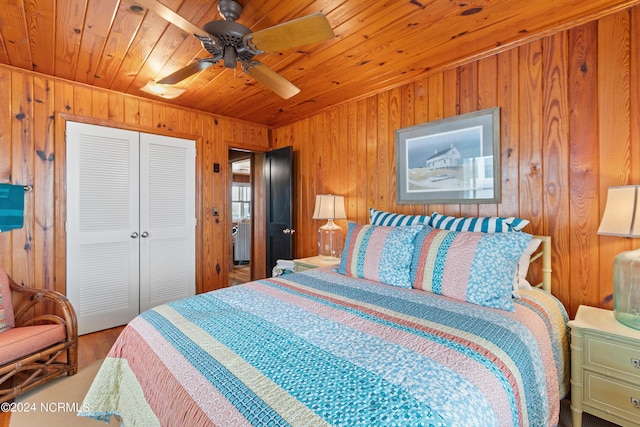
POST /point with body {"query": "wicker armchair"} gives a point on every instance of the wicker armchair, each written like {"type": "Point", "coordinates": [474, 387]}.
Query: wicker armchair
{"type": "Point", "coordinates": [41, 345]}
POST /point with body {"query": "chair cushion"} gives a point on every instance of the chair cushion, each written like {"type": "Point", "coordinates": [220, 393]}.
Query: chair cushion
{"type": "Point", "coordinates": [6, 305]}
{"type": "Point", "coordinates": [24, 340]}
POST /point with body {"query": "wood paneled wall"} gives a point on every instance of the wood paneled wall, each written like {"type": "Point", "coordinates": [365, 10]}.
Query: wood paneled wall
{"type": "Point", "coordinates": [570, 128]}
{"type": "Point", "coordinates": [32, 151]}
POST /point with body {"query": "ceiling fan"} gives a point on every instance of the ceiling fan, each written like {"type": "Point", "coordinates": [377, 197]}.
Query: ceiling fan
{"type": "Point", "coordinates": [232, 43]}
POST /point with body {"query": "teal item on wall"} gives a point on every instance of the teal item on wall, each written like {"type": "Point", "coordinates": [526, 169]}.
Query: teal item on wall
{"type": "Point", "coordinates": [11, 207]}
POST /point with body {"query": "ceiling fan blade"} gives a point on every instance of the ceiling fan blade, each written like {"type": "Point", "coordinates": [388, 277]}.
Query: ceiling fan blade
{"type": "Point", "coordinates": [308, 29]}
{"type": "Point", "coordinates": [269, 78]}
{"type": "Point", "coordinates": [187, 71]}
{"type": "Point", "coordinates": [172, 17]}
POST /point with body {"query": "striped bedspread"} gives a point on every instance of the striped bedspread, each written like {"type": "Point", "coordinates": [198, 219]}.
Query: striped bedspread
{"type": "Point", "coordinates": [318, 348]}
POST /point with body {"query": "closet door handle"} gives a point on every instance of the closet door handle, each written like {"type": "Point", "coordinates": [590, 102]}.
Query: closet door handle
{"type": "Point", "coordinates": [134, 235]}
{"type": "Point", "coordinates": [144, 234]}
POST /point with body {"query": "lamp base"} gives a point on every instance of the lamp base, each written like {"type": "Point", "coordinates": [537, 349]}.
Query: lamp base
{"type": "Point", "coordinates": [626, 288]}
{"type": "Point", "coordinates": [330, 241]}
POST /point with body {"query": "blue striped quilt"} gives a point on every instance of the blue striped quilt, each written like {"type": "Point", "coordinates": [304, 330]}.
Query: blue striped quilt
{"type": "Point", "coordinates": [318, 348]}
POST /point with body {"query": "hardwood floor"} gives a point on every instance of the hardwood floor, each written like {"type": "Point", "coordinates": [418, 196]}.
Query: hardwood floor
{"type": "Point", "coordinates": [91, 347]}
{"type": "Point", "coordinates": [95, 346]}
{"type": "Point", "coordinates": [240, 274]}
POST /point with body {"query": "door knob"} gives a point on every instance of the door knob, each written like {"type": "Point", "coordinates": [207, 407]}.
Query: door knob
{"type": "Point", "coordinates": [288, 231]}
{"type": "Point", "coordinates": [144, 234]}
{"type": "Point", "coordinates": [134, 235]}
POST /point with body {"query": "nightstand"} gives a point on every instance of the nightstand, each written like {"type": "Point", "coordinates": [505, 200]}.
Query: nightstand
{"type": "Point", "coordinates": [302, 264]}
{"type": "Point", "coordinates": [605, 368]}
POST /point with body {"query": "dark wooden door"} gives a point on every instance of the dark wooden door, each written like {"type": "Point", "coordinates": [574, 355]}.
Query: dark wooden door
{"type": "Point", "coordinates": [279, 191]}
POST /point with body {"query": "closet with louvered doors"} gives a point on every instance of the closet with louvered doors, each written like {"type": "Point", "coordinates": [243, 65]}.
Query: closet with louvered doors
{"type": "Point", "coordinates": [130, 222]}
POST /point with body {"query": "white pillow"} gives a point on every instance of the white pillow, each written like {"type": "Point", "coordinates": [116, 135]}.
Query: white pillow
{"type": "Point", "coordinates": [520, 278]}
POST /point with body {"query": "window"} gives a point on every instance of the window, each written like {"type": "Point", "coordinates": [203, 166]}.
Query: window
{"type": "Point", "coordinates": [240, 201]}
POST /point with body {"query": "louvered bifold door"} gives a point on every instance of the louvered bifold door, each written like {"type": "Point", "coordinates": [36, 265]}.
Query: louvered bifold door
{"type": "Point", "coordinates": [102, 225]}
{"type": "Point", "coordinates": [167, 219]}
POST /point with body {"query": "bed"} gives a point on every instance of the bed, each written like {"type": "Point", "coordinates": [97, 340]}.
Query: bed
{"type": "Point", "coordinates": [329, 346]}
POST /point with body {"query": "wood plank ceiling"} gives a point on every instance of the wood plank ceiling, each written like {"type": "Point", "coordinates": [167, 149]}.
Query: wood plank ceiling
{"type": "Point", "coordinates": [378, 45]}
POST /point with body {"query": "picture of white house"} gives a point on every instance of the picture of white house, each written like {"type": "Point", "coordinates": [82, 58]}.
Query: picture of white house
{"type": "Point", "coordinates": [458, 160]}
{"type": "Point", "coordinates": [450, 158]}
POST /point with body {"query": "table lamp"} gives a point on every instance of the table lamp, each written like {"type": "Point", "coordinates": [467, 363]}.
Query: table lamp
{"type": "Point", "coordinates": [330, 236]}
{"type": "Point", "coordinates": [622, 218]}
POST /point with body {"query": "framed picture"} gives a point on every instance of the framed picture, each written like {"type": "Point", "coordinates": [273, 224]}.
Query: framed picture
{"type": "Point", "coordinates": [450, 161]}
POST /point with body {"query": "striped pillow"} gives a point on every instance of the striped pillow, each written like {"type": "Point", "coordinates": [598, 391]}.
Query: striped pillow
{"type": "Point", "coordinates": [473, 267]}
{"type": "Point", "coordinates": [379, 253]}
{"type": "Point", "coordinates": [377, 217]}
{"type": "Point", "coordinates": [493, 224]}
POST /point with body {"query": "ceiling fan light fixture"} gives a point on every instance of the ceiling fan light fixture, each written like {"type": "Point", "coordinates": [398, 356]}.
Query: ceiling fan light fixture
{"type": "Point", "coordinates": [163, 91]}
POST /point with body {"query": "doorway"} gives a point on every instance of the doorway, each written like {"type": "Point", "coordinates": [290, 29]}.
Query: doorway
{"type": "Point", "coordinates": [266, 178]}
{"type": "Point", "coordinates": [241, 214]}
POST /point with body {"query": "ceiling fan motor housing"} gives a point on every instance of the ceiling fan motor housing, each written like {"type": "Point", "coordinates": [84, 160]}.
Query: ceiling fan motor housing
{"type": "Point", "coordinates": [228, 35]}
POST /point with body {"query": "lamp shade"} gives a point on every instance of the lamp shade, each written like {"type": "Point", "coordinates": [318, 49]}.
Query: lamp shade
{"type": "Point", "coordinates": [622, 212]}
{"type": "Point", "coordinates": [329, 206]}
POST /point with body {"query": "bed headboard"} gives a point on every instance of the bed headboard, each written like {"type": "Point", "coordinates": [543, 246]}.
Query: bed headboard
{"type": "Point", "coordinates": [543, 254]}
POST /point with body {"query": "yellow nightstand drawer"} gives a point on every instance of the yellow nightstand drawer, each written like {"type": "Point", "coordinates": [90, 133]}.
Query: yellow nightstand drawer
{"type": "Point", "coordinates": [612, 396]}
{"type": "Point", "coordinates": [612, 357]}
